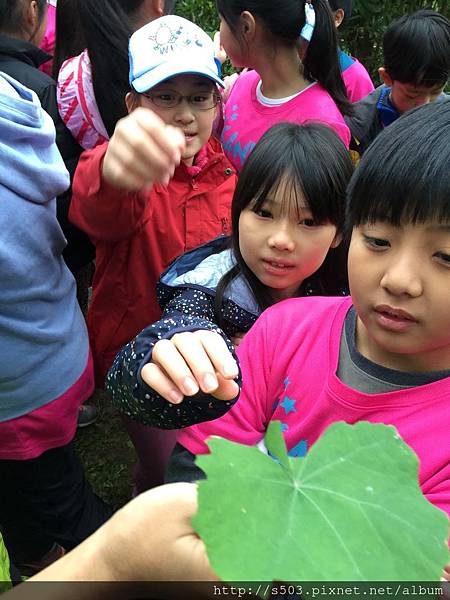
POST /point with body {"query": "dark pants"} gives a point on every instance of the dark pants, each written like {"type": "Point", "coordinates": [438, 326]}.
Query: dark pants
{"type": "Point", "coordinates": [153, 447]}
{"type": "Point", "coordinates": [46, 500]}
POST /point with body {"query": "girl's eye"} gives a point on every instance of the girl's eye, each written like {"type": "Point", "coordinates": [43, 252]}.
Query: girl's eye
{"type": "Point", "coordinates": [165, 98]}
{"type": "Point", "coordinates": [377, 243]}
{"type": "Point", "coordinates": [445, 258]}
{"type": "Point", "coordinates": [308, 223]}
{"type": "Point", "coordinates": [199, 99]}
{"type": "Point", "coordinates": [262, 212]}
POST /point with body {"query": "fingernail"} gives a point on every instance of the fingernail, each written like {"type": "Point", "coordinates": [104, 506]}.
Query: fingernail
{"type": "Point", "coordinates": [209, 382]}
{"type": "Point", "coordinates": [175, 397]}
{"type": "Point", "coordinates": [230, 369]}
{"type": "Point", "coordinates": [190, 386]}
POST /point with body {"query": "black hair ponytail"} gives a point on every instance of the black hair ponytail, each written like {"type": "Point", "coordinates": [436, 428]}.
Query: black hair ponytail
{"type": "Point", "coordinates": [107, 29]}
{"type": "Point", "coordinates": [321, 60]}
{"type": "Point", "coordinates": [70, 39]}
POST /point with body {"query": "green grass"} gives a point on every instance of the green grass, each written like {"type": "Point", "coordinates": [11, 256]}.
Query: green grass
{"type": "Point", "coordinates": [107, 453]}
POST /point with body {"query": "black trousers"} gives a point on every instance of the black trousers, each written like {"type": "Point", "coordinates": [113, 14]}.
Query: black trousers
{"type": "Point", "coordinates": [46, 500]}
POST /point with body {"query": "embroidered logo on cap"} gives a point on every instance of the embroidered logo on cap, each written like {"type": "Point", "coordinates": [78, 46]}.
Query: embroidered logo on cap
{"type": "Point", "coordinates": [167, 39]}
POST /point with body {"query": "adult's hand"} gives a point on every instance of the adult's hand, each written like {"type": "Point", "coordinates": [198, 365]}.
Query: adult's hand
{"type": "Point", "coordinates": [150, 539]}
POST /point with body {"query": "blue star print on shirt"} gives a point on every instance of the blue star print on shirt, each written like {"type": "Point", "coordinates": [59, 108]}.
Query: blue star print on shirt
{"type": "Point", "coordinates": [230, 141]}
{"type": "Point", "coordinates": [288, 404]}
{"type": "Point", "coordinates": [299, 450]}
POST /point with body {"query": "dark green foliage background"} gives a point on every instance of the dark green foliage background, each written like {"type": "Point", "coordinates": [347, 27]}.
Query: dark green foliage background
{"type": "Point", "coordinates": [362, 36]}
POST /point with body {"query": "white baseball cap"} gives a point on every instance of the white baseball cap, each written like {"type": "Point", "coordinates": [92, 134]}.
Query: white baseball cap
{"type": "Point", "coordinates": [167, 47]}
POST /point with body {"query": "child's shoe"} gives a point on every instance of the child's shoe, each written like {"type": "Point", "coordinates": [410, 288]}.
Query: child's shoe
{"type": "Point", "coordinates": [87, 414]}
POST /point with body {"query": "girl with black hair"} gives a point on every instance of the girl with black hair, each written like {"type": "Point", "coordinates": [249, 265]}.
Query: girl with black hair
{"type": "Point", "coordinates": [292, 50]}
{"type": "Point", "coordinates": [92, 86]}
{"type": "Point", "coordinates": [287, 221]}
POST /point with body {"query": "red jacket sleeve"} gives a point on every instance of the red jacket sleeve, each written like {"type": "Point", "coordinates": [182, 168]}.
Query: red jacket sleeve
{"type": "Point", "coordinates": [102, 211]}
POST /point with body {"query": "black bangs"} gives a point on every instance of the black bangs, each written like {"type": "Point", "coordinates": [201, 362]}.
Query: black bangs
{"type": "Point", "coordinates": [289, 188]}
{"type": "Point", "coordinates": [309, 164]}
{"type": "Point", "coordinates": [404, 177]}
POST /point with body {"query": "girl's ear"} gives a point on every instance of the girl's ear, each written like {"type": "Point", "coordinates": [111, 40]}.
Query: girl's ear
{"type": "Point", "coordinates": [337, 240]}
{"type": "Point", "coordinates": [131, 101]}
{"type": "Point", "coordinates": [248, 25]}
{"type": "Point", "coordinates": [158, 7]}
{"type": "Point", "coordinates": [338, 16]}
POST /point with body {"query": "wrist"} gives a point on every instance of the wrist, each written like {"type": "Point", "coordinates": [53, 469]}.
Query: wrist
{"type": "Point", "coordinates": [86, 562]}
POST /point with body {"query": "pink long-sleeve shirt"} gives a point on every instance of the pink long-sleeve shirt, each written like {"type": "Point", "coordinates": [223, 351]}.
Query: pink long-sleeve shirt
{"type": "Point", "coordinates": [246, 119]}
{"type": "Point", "coordinates": [357, 81]}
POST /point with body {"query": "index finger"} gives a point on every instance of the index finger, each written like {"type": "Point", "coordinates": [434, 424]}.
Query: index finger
{"type": "Point", "coordinates": [218, 353]}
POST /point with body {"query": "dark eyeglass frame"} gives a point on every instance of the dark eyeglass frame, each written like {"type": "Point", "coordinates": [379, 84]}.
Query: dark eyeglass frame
{"type": "Point", "coordinates": [215, 98]}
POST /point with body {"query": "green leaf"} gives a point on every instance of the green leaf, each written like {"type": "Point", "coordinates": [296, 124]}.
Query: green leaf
{"type": "Point", "coordinates": [351, 510]}
{"type": "Point", "coordinates": [5, 581]}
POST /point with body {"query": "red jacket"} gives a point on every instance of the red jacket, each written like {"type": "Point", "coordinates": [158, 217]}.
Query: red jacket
{"type": "Point", "coordinates": [137, 235]}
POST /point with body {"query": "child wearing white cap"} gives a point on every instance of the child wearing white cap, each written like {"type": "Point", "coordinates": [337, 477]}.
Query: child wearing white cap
{"type": "Point", "coordinates": [161, 186]}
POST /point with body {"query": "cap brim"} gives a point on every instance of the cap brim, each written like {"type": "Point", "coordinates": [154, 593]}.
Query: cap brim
{"type": "Point", "coordinates": [160, 74]}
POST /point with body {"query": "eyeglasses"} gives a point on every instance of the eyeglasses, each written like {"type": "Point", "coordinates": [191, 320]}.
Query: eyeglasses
{"type": "Point", "coordinates": [198, 101]}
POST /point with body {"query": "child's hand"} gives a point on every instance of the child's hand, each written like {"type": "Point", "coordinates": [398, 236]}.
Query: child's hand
{"type": "Point", "coordinates": [143, 150]}
{"type": "Point", "coordinates": [190, 362]}
{"type": "Point", "coordinates": [219, 50]}
{"type": "Point", "coordinates": [229, 81]}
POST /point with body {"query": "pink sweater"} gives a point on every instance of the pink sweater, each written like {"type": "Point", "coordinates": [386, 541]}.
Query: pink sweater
{"type": "Point", "coordinates": [246, 119]}
{"type": "Point", "coordinates": [289, 360]}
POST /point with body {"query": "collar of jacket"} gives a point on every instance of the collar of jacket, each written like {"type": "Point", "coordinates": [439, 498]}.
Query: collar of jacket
{"type": "Point", "coordinates": [21, 50]}
{"type": "Point", "coordinates": [214, 153]}
{"type": "Point", "coordinates": [387, 111]}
